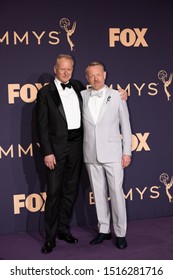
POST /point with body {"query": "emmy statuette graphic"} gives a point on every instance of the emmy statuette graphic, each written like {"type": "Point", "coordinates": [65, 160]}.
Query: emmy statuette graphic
{"type": "Point", "coordinates": [162, 75]}
{"type": "Point", "coordinates": [164, 179]}
{"type": "Point", "coordinates": [65, 24]}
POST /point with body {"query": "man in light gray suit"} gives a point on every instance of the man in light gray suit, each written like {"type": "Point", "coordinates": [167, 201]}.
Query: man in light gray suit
{"type": "Point", "coordinates": [107, 151]}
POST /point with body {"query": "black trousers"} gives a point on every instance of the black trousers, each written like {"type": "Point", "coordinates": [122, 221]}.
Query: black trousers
{"type": "Point", "coordinates": [62, 187]}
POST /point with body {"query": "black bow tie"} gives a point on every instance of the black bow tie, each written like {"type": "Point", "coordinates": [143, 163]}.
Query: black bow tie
{"type": "Point", "coordinates": [68, 85]}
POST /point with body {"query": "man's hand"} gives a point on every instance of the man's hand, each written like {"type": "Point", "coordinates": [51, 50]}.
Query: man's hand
{"type": "Point", "coordinates": [50, 161]}
{"type": "Point", "coordinates": [123, 93]}
{"type": "Point", "coordinates": [126, 160]}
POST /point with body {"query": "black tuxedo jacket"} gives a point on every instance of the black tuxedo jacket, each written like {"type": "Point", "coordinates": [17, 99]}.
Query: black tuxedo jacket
{"type": "Point", "coordinates": [51, 119]}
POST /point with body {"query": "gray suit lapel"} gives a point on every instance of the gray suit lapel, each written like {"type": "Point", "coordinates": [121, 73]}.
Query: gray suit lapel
{"type": "Point", "coordinates": [87, 110]}
{"type": "Point", "coordinates": [105, 104]}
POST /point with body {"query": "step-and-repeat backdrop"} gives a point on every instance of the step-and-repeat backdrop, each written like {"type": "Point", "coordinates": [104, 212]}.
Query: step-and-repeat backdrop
{"type": "Point", "coordinates": [134, 39]}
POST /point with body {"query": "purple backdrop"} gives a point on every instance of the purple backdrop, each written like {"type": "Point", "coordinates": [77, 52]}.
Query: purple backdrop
{"type": "Point", "coordinates": [134, 40]}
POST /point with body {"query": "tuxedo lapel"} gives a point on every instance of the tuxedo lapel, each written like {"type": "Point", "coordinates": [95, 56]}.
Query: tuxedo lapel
{"type": "Point", "coordinates": [57, 100]}
{"type": "Point", "coordinates": [78, 93]}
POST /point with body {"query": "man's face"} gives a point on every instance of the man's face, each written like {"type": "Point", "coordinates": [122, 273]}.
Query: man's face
{"type": "Point", "coordinates": [96, 76]}
{"type": "Point", "coordinates": [64, 69]}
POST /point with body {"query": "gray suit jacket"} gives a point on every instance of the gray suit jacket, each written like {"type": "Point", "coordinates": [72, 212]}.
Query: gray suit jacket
{"type": "Point", "coordinates": [110, 137]}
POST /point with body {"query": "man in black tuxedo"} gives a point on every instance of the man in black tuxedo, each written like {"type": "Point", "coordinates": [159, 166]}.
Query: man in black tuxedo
{"type": "Point", "coordinates": [59, 119]}
{"type": "Point", "coordinates": [59, 106]}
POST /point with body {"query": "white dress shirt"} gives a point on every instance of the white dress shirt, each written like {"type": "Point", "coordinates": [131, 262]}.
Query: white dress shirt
{"type": "Point", "coordinates": [95, 103]}
{"type": "Point", "coordinates": [70, 104]}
